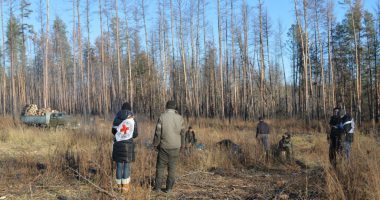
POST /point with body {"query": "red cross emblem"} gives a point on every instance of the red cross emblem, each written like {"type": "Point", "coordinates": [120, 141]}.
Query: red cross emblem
{"type": "Point", "coordinates": [124, 129]}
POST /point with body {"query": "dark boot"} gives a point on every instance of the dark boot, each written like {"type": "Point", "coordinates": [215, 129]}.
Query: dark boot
{"type": "Point", "coordinates": [157, 186]}
{"type": "Point", "coordinates": [169, 185]}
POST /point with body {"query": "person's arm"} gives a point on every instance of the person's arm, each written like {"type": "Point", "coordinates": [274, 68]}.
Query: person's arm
{"type": "Point", "coordinates": [291, 146]}
{"type": "Point", "coordinates": [135, 130]}
{"type": "Point", "coordinates": [186, 137]}
{"type": "Point", "coordinates": [113, 130]}
{"type": "Point", "coordinates": [194, 138]}
{"type": "Point", "coordinates": [157, 134]}
{"type": "Point", "coordinates": [257, 130]}
{"type": "Point", "coordinates": [183, 133]}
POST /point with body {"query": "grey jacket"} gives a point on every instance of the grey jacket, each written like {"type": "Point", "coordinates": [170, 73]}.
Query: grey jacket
{"type": "Point", "coordinates": [262, 128]}
{"type": "Point", "coordinates": [170, 131]}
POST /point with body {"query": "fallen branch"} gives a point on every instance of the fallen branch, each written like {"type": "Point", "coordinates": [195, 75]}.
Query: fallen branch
{"type": "Point", "coordinates": [196, 172]}
{"type": "Point", "coordinates": [43, 186]}
{"type": "Point", "coordinates": [92, 184]}
{"type": "Point", "coordinates": [31, 192]}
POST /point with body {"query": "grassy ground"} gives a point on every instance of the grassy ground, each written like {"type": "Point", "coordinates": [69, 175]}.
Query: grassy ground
{"type": "Point", "coordinates": [75, 164]}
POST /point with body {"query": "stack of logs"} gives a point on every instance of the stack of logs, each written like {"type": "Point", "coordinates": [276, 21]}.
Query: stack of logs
{"type": "Point", "coordinates": [32, 110]}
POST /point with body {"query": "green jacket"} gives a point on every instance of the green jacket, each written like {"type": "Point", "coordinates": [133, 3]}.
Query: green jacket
{"type": "Point", "coordinates": [170, 131]}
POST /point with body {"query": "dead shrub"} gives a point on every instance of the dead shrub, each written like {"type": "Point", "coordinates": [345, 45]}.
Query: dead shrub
{"type": "Point", "coordinates": [4, 135]}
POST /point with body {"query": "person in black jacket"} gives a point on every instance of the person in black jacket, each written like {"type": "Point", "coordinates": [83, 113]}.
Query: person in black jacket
{"type": "Point", "coordinates": [125, 130]}
{"type": "Point", "coordinates": [335, 137]}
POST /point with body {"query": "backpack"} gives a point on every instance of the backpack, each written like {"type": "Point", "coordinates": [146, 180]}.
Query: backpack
{"type": "Point", "coordinates": [125, 130]}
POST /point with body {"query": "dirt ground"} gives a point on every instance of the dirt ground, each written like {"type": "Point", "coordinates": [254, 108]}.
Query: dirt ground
{"type": "Point", "coordinates": [278, 181]}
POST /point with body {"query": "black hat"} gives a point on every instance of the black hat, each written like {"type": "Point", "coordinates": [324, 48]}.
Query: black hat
{"type": "Point", "coordinates": [288, 134]}
{"type": "Point", "coordinates": [171, 104]}
{"type": "Point", "coordinates": [126, 106]}
{"type": "Point", "coordinates": [261, 118]}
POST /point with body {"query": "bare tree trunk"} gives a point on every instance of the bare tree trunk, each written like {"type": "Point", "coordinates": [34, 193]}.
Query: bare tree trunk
{"type": "Point", "coordinates": [207, 103]}
{"type": "Point", "coordinates": [80, 57]}
{"type": "Point", "coordinates": [119, 81]}
{"type": "Point", "coordinates": [190, 107]}
{"type": "Point", "coordinates": [358, 70]}
{"type": "Point", "coordinates": [147, 54]}
{"type": "Point", "coordinates": [377, 86]}
{"type": "Point", "coordinates": [220, 61]}
{"type": "Point", "coordinates": [197, 73]}
{"type": "Point", "coordinates": [4, 78]}
{"type": "Point", "coordinates": [283, 66]}
{"type": "Point", "coordinates": [89, 84]}
{"type": "Point", "coordinates": [244, 108]}
{"type": "Point", "coordinates": [129, 56]}
{"type": "Point", "coordinates": [262, 62]}
{"type": "Point", "coordinates": [305, 62]}
{"type": "Point", "coordinates": [321, 59]}
{"type": "Point", "coordinates": [272, 103]}
{"type": "Point", "coordinates": [74, 97]}
{"type": "Point", "coordinates": [22, 71]}
{"type": "Point", "coordinates": [329, 24]}
{"type": "Point", "coordinates": [12, 72]}
{"type": "Point", "coordinates": [234, 79]}
{"type": "Point", "coordinates": [102, 60]}
{"type": "Point", "coordinates": [183, 58]}
{"type": "Point", "coordinates": [172, 91]}
{"type": "Point", "coordinates": [307, 59]}
{"type": "Point", "coordinates": [46, 75]}
{"type": "Point", "coordinates": [162, 47]}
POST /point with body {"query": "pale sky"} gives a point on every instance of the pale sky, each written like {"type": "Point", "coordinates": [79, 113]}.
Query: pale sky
{"type": "Point", "coordinates": [278, 10]}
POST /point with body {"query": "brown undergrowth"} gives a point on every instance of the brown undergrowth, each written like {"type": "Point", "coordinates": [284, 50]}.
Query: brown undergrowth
{"type": "Point", "coordinates": [76, 164]}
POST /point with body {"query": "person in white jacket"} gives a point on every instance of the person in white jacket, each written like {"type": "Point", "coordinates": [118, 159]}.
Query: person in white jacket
{"type": "Point", "coordinates": [349, 129]}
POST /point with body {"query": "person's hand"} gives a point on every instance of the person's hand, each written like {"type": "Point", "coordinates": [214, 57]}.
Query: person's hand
{"type": "Point", "coordinates": [181, 149]}
{"type": "Point", "coordinates": [156, 148]}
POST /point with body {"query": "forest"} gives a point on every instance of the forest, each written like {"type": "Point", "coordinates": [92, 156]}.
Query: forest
{"type": "Point", "coordinates": [236, 70]}
{"type": "Point", "coordinates": [225, 64]}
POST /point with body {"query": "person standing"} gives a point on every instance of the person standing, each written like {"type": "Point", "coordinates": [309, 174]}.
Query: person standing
{"type": "Point", "coordinates": [349, 128]}
{"type": "Point", "coordinates": [168, 141]}
{"type": "Point", "coordinates": [124, 130]}
{"type": "Point", "coordinates": [190, 141]}
{"type": "Point", "coordinates": [262, 134]}
{"type": "Point", "coordinates": [335, 137]}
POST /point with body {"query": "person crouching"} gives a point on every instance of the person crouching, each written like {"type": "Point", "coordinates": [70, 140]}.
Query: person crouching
{"type": "Point", "coordinates": [285, 147]}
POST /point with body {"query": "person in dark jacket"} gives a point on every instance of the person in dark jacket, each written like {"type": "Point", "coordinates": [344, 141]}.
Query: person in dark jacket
{"type": "Point", "coordinates": [125, 130]}
{"type": "Point", "coordinates": [335, 137]}
{"type": "Point", "coordinates": [168, 140]}
{"type": "Point", "coordinates": [190, 140]}
{"type": "Point", "coordinates": [262, 134]}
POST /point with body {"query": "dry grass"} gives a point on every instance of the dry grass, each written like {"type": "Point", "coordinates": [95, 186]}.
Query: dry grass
{"type": "Point", "coordinates": [44, 164]}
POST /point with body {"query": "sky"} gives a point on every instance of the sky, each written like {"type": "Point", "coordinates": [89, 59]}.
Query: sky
{"type": "Point", "coordinates": [278, 10]}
